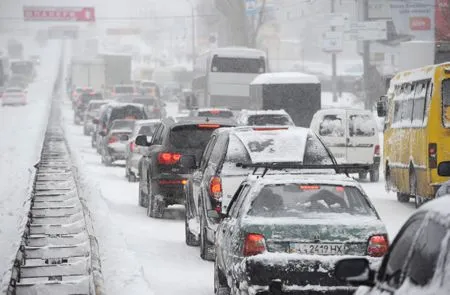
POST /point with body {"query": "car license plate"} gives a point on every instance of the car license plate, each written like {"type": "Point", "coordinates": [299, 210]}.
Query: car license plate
{"type": "Point", "coordinates": [318, 249]}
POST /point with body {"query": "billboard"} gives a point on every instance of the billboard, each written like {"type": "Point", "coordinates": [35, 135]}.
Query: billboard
{"type": "Point", "coordinates": [442, 16]}
{"type": "Point", "coordinates": [53, 13]}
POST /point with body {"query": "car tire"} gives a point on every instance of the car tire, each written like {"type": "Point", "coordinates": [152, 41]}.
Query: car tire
{"type": "Point", "coordinates": [362, 175]}
{"type": "Point", "coordinates": [142, 198]}
{"type": "Point", "coordinates": [190, 239]}
{"type": "Point", "coordinates": [418, 201]}
{"type": "Point", "coordinates": [220, 282]}
{"type": "Point", "coordinates": [85, 132]}
{"type": "Point", "coordinates": [374, 175]}
{"type": "Point", "coordinates": [131, 177]}
{"type": "Point", "coordinates": [403, 198]}
{"type": "Point", "coordinates": [205, 246]}
{"type": "Point", "coordinates": [155, 208]}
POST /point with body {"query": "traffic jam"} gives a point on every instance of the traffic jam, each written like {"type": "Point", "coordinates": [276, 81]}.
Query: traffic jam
{"type": "Point", "coordinates": [277, 208]}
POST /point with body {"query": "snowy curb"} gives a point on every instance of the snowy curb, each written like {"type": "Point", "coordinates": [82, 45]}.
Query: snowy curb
{"type": "Point", "coordinates": [24, 223]}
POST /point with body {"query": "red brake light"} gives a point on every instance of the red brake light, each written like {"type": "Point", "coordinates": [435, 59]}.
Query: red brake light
{"type": "Point", "coordinates": [168, 158]}
{"type": "Point", "coordinates": [254, 244]}
{"type": "Point", "coordinates": [132, 146]}
{"type": "Point", "coordinates": [309, 187]}
{"type": "Point", "coordinates": [376, 152]}
{"type": "Point", "coordinates": [214, 112]}
{"type": "Point", "coordinates": [378, 246]}
{"type": "Point", "coordinates": [432, 155]}
{"type": "Point", "coordinates": [173, 181]}
{"type": "Point", "coordinates": [340, 189]}
{"type": "Point", "coordinates": [212, 126]}
{"type": "Point", "coordinates": [113, 139]}
{"type": "Point", "coordinates": [215, 187]}
{"type": "Point", "coordinates": [269, 128]}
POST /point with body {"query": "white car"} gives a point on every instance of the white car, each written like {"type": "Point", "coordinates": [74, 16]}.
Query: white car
{"type": "Point", "coordinates": [264, 118]}
{"type": "Point", "coordinates": [14, 96]}
{"type": "Point", "coordinates": [352, 136]}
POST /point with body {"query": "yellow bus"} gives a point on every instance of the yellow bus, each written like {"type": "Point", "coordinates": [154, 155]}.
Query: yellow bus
{"type": "Point", "coordinates": [417, 132]}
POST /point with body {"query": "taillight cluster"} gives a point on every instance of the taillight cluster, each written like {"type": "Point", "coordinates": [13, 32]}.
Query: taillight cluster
{"type": "Point", "coordinates": [215, 187]}
{"type": "Point", "coordinates": [378, 246]}
{"type": "Point", "coordinates": [432, 155]}
{"type": "Point", "coordinates": [113, 139]}
{"type": "Point", "coordinates": [132, 146]}
{"type": "Point", "coordinates": [168, 158]}
{"type": "Point", "coordinates": [254, 244]}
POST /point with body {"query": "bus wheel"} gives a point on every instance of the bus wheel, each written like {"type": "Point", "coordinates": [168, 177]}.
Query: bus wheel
{"type": "Point", "coordinates": [402, 198]}
{"type": "Point", "coordinates": [418, 201]}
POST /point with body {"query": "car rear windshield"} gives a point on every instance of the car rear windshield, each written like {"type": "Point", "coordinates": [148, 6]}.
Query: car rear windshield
{"type": "Point", "coordinates": [147, 130]}
{"type": "Point", "coordinates": [264, 120]}
{"type": "Point", "coordinates": [216, 114]}
{"type": "Point", "coordinates": [95, 105]}
{"type": "Point", "coordinates": [148, 84]}
{"type": "Point", "coordinates": [22, 67]}
{"type": "Point", "coordinates": [361, 126]}
{"type": "Point", "coordinates": [309, 200]}
{"type": "Point", "coordinates": [123, 124]}
{"type": "Point", "coordinates": [191, 136]}
{"type": "Point", "coordinates": [124, 89]}
{"type": "Point", "coordinates": [13, 90]}
{"type": "Point", "coordinates": [128, 112]}
{"type": "Point", "coordinates": [87, 97]}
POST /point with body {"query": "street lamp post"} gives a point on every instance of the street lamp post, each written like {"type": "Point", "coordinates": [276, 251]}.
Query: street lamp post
{"type": "Point", "coordinates": [193, 32]}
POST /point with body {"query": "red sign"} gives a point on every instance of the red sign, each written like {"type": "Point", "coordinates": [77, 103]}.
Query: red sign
{"type": "Point", "coordinates": [420, 23]}
{"type": "Point", "coordinates": [442, 16]}
{"type": "Point", "coordinates": [75, 14]}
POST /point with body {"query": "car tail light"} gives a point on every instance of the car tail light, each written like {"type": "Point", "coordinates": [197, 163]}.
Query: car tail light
{"type": "Point", "coordinates": [378, 246]}
{"type": "Point", "coordinates": [214, 112]}
{"type": "Point", "coordinates": [113, 139]}
{"type": "Point", "coordinates": [376, 152]}
{"type": "Point", "coordinates": [212, 126]}
{"type": "Point", "coordinates": [173, 181]}
{"type": "Point", "coordinates": [432, 155]}
{"type": "Point", "coordinates": [269, 128]}
{"type": "Point", "coordinates": [132, 146]}
{"type": "Point", "coordinates": [254, 244]}
{"type": "Point", "coordinates": [168, 158]}
{"type": "Point", "coordinates": [215, 187]}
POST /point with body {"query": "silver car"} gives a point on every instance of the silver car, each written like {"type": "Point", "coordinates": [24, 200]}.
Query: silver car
{"type": "Point", "coordinates": [92, 112]}
{"type": "Point", "coordinates": [116, 141]}
{"type": "Point", "coordinates": [134, 152]}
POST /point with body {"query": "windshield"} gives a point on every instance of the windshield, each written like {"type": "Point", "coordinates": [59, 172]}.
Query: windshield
{"type": "Point", "coordinates": [216, 114]}
{"type": "Point", "coordinates": [22, 67]}
{"type": "Point", "coordinates": [128, 112]}
{"type": "Point", "coordinates": [87, 97]}
{"type": "Point", "coordinates": [309, 200]}
{"type": "Point", "coordinates": [123, 124]}
{"type": "Point", "coordinates": [237, 65]}
{"type": "Point", "coordinates": [144, 101]}
{"type": "Point", "coordinates": [147, 130]}
{"type": "Point", "coordinates": [123, 89]}
{"type": "Point", "coordinates": [266, 119]}
{"type": "Point", "coordinates": [190, 137]}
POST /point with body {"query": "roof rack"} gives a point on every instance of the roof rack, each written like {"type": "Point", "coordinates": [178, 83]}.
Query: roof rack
{"type": "Point", "coordinates": [338, 168]}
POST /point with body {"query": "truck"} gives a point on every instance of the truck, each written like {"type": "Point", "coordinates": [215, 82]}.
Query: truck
{"type": "Point", "coordinates": [15, 49]}
{"type": "Point", "coordinates": [117, 69]}
{"type": "Point", "coordinates": [4, 70]}
{"type": "Point", "coordinates": [88, 73]}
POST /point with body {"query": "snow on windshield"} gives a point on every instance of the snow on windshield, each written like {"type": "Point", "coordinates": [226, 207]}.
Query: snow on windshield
{"type": "Point", "coordinates": [332, 125]}
{"type": "Point", "coordinates": [362, 125]}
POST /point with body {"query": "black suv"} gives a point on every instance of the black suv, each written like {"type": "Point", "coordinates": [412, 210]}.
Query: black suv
{"type": "Point", "coordinates": [163, 171]}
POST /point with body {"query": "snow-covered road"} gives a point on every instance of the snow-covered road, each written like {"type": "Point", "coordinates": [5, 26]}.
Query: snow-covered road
{"type": "Point", "coordinates": [141, 255]}
{"type": "Point", "coordinates": [22, 131]}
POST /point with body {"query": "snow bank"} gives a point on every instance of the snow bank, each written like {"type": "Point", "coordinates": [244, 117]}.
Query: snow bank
{"type": "Point", "coordinates": [23, 130]}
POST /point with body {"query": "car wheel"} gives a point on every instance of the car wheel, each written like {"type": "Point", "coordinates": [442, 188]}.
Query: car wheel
{"type": "Point", "coordinates": [206, 248]}
{"type": "Point", "coordinates": [362, 175]}
{"type": "Point", "coordinates": [403, 198]}
{"type": "Point", "coordinates": [85, 131]}
{"type": "Point", "coordinates": [131, 177]}
{"type": "Point", "coordinates": [92, 142]}
{"type": "Point", "coordinates": [155, 207]}
{"type": "Point", "coordinates": [220, 282]}
{"type": "Point", "coordinates": [191, 239]}
{"type": "Point", "coordinates": [143, 198]}
{"type": "Point", "coordinates": [374, 175]}
{"type": "Point", "coordinates": [107, 161]}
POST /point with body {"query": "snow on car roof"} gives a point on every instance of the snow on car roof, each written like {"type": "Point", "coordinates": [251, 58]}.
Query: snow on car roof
{"type": "Point", "coordinates": [282, 145]}
{"type": "Point", "coordinates": [440, 205]}
{"type": "Point", "coordinates": [237, 52]}
{"type": "Point", "coordinates": [212, 109]}
{"type": "Point", "coordinates": [343, 110]}
{"type": "Point", "coordinates": [263, 112]}
{"type": "Point", "coordinates": [145, 122]}
{"type": "Point", "coordinates": [296, 176]}
{"type": "Point", "coordinates": [285, 78]}
{"type": "Point", "coordinates": [99, 101]}
{"type": "Point", "coordinates": [422, 73]}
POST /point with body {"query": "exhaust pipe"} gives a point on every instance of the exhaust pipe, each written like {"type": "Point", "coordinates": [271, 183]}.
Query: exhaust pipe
{"type": "Point", "coordinates": [276, 288]}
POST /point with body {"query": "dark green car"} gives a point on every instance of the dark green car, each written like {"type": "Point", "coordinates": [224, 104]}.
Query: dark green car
{"type": "Point", "coordinates": [284, 233]}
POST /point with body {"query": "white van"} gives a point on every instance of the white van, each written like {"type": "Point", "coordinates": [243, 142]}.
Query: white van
{"type": "Point", "coordinates": [352, 136]}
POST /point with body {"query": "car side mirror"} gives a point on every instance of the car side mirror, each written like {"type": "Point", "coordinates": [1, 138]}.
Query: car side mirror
{"type": "Point", "coordinates": [102, 133]}
{"type": "Point", "coordinates": [141, 140]}
{"type": "Point", "coordinates": [381, 107]}
{"type": "Point", "coordinates": [355, 271]}
{"type": "Point", "coordinates": [189, 162]}
{"type": "Point", "coordinates": [95, 121]}
{"type": "Point", "coordinates": [444, 169]}
{"type": "Point", "coordinates": [124, 137]}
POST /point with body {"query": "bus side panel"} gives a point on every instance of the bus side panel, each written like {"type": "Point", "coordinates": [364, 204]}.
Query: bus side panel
{"type": "Point", "coordinates": [396, 153]}
{"type": "Point", "coordinates": [437, 133]}
{"type": "Point", "coordinates": [419, 155]}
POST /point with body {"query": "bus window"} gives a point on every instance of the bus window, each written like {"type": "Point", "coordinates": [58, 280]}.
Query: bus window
{"type": "Point", "coordinates": [419, 103]}
{"type": "Point", "coordinates": [446, 102]}
{"type": "Point", "coordinates": [237, 65]}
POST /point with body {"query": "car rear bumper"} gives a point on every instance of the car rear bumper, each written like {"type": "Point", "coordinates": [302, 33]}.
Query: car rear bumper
{"type": "Point", "coordinates": [366, 167]}
{"type": "Point", "coordinates": [172, 187]}
{"type": "Point", "coordinates": [294, 275]}
{"type": "Point", "coordinates": [13, 101]}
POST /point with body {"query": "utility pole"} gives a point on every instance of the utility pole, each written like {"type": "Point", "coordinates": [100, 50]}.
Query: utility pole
{"type": "Point", "coordinates": [366, 60]}
{"type": "Point", "coordinates": [333, 59]}
{"type": "Point", "coordinates": [193, 36]}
